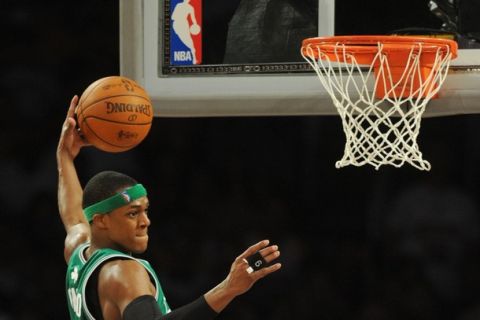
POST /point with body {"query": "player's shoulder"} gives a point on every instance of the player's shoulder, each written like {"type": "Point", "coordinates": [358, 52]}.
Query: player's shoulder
{"type": "Point", "coordinates": [123, 278]}
{"type": "Point", "coordinates": [122, 270]}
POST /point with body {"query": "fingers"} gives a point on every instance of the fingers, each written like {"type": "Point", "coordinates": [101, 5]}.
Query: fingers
{"type": "Point", "coordinates": [266, 271]}
{"type": "Point", "coordinates": [71, 137]}
{"type": "Point", "coordinates": [253, 249]}
{"type": "Point", "coordinates": [70, 120]}
{"type": "Point", "coordinates": [270, 253]}
{"type": "Point", "coordinates": [73, 105]}
{"type": "Point", "coordinates": [267, 253]}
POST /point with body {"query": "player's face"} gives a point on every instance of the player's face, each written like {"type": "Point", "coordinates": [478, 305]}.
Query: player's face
{"type": "Point", "coordinates": [128, 226]}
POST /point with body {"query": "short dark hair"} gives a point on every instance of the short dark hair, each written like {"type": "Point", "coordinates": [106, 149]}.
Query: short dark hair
{"type": "Point", "coordinates": [104, 185]}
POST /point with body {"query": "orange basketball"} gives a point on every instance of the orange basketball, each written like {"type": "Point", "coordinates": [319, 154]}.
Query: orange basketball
{"type": "Point", "coordinates": [114, 114]}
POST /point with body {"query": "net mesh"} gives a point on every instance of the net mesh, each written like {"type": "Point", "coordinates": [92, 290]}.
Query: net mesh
{"type": "Point", "coordinates": [381, 107]}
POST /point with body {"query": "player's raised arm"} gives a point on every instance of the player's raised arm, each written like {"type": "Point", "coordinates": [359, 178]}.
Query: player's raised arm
{"type": "Point", "coordinates": [69, 189]}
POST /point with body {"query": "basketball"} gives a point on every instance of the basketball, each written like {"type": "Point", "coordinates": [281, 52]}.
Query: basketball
{"type": "Point", "coordinates": [114, 114]}
{"type": "Point", "coordinates": [194, 29]}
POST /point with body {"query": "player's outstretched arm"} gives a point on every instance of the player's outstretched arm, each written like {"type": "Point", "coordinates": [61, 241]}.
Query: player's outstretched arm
{"type": "Point", "coordinates": [69, 189]}
{"type": "Point", "coordinates": [239, 280]}
{"type": "Point", "coordinates": [241, 277]}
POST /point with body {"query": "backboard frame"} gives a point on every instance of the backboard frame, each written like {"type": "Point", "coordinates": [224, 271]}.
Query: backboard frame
{"type": "Point", "coordinates": [224, 92]}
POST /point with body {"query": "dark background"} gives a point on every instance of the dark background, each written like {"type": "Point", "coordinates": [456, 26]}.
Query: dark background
{"type": "Point", "coordinates": [356, 243]}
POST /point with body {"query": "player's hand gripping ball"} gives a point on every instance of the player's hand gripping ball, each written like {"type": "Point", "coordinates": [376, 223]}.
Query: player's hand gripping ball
{"type": "Point", "coordinates": [114, 114]}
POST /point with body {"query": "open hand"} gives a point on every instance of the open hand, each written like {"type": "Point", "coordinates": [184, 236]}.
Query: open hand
{"type": "Point", "coordinates": [240, 278]}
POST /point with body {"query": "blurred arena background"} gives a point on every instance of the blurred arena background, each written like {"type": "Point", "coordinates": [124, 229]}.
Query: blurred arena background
{"type": "Point", "coordinates": [356, 243]}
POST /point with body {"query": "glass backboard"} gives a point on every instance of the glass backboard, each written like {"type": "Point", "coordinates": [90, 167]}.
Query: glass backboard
{"type": "Point", "coordinates": [242, 57]}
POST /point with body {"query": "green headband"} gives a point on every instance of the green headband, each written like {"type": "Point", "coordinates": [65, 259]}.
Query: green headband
{"type": "Point", "coordinates": [119, 200]}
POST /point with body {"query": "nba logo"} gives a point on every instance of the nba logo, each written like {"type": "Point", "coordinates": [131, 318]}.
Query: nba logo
{"type": "Point", "coordinates": [186, 32]}
{"type": "Point", "coordinates": [125, 196]}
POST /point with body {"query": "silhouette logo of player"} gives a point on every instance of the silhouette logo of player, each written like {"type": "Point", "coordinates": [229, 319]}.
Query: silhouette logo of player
{"type": "Point", "coordinates": [181, 14]}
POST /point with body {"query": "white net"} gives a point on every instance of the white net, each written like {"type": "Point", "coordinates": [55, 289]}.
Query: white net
{"type": "Point", "coordinates": [381, 108]}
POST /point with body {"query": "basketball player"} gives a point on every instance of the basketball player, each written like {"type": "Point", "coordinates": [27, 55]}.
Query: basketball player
{"type": "Point", "coordinates": [104, 280]}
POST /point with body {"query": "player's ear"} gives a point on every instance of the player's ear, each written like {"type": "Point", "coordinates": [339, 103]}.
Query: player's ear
{"type": "Point", "coordinates": [100, 221]}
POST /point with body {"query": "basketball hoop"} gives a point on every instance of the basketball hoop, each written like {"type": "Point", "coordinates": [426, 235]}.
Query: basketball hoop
{"type": "Point", "coordinates": [380, 86]}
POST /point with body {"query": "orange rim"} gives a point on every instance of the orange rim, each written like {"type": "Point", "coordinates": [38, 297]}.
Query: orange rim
{"type": "Point", "coordinates": [368, 44]}
{"type": "Point", "coordinates": [363, 50]}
